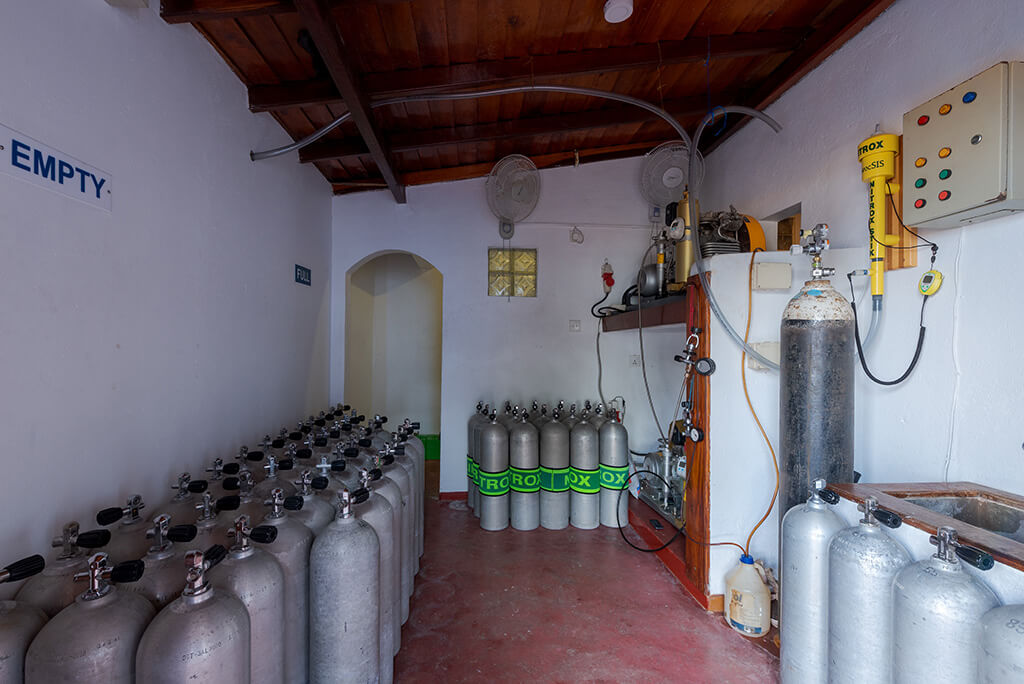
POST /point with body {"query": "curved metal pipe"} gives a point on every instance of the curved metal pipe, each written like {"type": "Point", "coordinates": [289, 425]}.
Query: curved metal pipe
{"type": "Point", "coordinates": [470, 95]}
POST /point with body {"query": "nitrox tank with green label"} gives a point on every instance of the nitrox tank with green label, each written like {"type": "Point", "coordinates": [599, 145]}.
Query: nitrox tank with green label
{"type": "Point", "coordinates": [494, 476]}
{"type": "Point", "coordinates": [524, 474]}
{"type": "Point", "coordinates": [584, 475]}
{"type": "Point", "coordinates": [614, 453]}
{"type": "Point", "coordinates": [475, 420]}
{"type": "Point", "coordinates": [554, 474]}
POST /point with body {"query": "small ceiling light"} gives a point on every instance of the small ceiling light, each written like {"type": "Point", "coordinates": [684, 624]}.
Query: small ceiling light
{"type": "Point", "coordinates": [617, 11]}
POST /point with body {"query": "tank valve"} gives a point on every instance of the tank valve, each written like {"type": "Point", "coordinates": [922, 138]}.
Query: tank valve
{"type": "Point", "coordinates": [130, 513]}
{"type": "Point", "coordinates": [814, 242]}
{"type": "Point", "coordinates": [242, 533]}
{"type": "Point", "coordinates": [950, 548]}
{"type": "Point", "coordinates": [19, 570]}
{"type": "Point", "coordinates": [873, 513]}
{"type": "Point", "coordinates": [100, 575]}
{"type": "Point", "coordinates": [197, 563]}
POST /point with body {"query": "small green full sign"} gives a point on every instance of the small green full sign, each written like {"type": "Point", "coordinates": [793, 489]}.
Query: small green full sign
{"type": "Point", "coordinates": [303, 275]}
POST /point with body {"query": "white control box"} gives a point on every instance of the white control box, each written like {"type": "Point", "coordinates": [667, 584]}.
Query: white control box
{"type": "Point", "coordinates": [960, 161]}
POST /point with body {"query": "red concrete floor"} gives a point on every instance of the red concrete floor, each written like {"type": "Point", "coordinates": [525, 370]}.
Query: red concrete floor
{"type": "Point", "coordinates": [565, 606]}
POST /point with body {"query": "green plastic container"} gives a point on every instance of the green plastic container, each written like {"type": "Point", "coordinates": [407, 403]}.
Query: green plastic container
{"type": "Point", "coordinates": [431, 447]}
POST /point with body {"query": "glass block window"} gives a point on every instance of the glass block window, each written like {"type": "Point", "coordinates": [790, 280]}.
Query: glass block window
{"type": "Point", "coordinates": [511, 272]}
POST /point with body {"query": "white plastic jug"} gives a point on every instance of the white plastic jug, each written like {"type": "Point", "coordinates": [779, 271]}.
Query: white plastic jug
{"type": "Point", "coordinates": [748, 601]}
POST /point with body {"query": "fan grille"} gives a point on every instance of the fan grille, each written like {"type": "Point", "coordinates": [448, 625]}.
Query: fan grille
{"type": "Point", "coordinates": [663, 174]}
{"type": "Point", "coordinates": [513, 188]}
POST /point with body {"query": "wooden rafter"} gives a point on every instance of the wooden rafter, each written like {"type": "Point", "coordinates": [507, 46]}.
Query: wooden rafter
{"type": "Point", "coordinates": [516, 129]}
{"type": "Point", "coordinates": [497, 73]}
{"type": "Point", "coordinates": [185, 11]}
{"type": "Point", "coordinates": [318, 20]}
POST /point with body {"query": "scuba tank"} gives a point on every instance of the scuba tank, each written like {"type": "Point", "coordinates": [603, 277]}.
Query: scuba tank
{"type": "Point", "coordinates": [201, 636]}
{"type": "Point", "coordinates": [19, 622]}
{"type": "Point", "coordinates": [53, 589]}
{"type": "Point", "coordinates": [291, 549]}
{"type": "Point", "coordinates": [493, 477]}
{"type": "Point", "coordinates": [337, 475]}
{"type": "Point", "coordinates": [248, 503]}
{"type": "Point", "coordinates": [862, 562]}
{"type": "Point", "coordinates": [128, 540]}
{"type": "Point", "coordinates": [163, 580]}
{"type": "Point", "coordinates": [273, 480]}
{"type": "Point", "coordinates": [613, 450]}
{"type": "Point", "coordinates": [248, 458]}
{"type": "Point", "coordinates": [376, 511]}
{"type": "Point", "coordinates": [597, 418]}
{"type": "Point", "coordinates": [417, 453]}
{"type": "Point", "coordinates": [524, 474]}
{"type": "Point", "coordinates": [1001, 654]}
{"type": "Point", "coordinates": [803, 603]}
{"type": "Point", "coordinates": [209, 530]}
{"type": "Point", "coordinates": [539, 419]}
{"type": "Point", "coordinates": [255, 577]}
{"type": "Point", "coordinates": [584, 475]}
{"type": "Point", "coordinates": [387, 487]}
{"type": "Point", "coordinates": [398, 474]}
{"type": "Point", "coordinates": [937, 611]}
{"type": "Point", "coordinates": [182, 508]}
{"type": "Point", "coordinates": [571, 419]}
{"type": "Point", "coordinates": [554, 474]}
{"type": "Point", "coordinates": [344, 597]}
{"type": "Point", "coordinates": [316, 513]}
{"type": "Point", "coordinates": [94, 639]}
{"type": "Point", "coordinates": [473, 496]}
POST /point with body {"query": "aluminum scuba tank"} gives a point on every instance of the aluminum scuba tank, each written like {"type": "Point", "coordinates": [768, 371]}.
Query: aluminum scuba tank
{"type": "Point", "coordinates": [506, 417]}
{"type": "Point", "coordinates": [255, 577]}
{"type": "Point", "coordinates": [273, 479]}
{"type": "Point", "coordinates": [216, 471]}
{"type": "Point", "coordinates": [163, 580]}
{"type": "Point", "coordinates": [417, 453]}
{"type": "Point", "coordinates": [210, 529]}
{"type": "Point", "coordinates": [95, 638]}
{"type": "Point", "coordinates": [400, 451]}
{"type": "Point", "coordinates": [613, 449]}
{"type": "Point", "coordinates": [53, 589]}
{"type": "Point", "coordinates": [201, 636]}
{"type": "Point", "coordinates": [403, 475]}
{"type": "Point", "coordinates": [571, 419]}
{"type": "Point", "coordinates": [182, 508]}
{"type": "Point", "coordinates": [390, 490]}
{"type": "Point", "coordinates": [494, 476]}
{"type": "Point", "coordinates": [862, 562]}
{"type": "Point", "coordinates": [248, 503]}
{"type": "Point", "coordinates": [291, 549]}
{"type": "Point", "coordinates": [539, 419]}
{"type": "Point", "coordinates": [554, 474]}
{"type": "Point", "coordinates": [803, 604]}
{"type": "Point", "coordinates": [1001, 654]}
{"type": "Point", "coordinates": [597, 418]}
{"type": "Point", "coordinates": [344, 596]}
{"type": "Point", "coordinates": [247, 461]}
{"type": "Point", "coordinates": [584, 475]}
{"type": "Point", "coordinates": [316, 513]}
{"type": "Point", "coordinates": [937, 612]}
{"type": "Point", "coordinates": [376, 511]}
{"type": "Point", "coordinates": [337, 474]}
{"type": "Point", "coordinates": [474, 492]}
{"type": "Point", "coordinates": [524, 474]}
{"type": "Point", "coordinates": [19, 622]}
{"type": "Point", "coordinates": [128, 539]}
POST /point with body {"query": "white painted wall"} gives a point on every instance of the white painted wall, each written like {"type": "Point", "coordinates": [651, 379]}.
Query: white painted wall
{"type": "Point", "coordinates": [145, 341]}
{"type": "Point", "coordinates": [962, 403]}
{"type": "Point", "coordinates": [393, 326]}
{"type": "Point", "coordinates": [494, 349]}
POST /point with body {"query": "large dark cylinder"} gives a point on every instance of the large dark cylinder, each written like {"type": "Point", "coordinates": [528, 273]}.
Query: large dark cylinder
{"type": "Point", "coordinates": [817, 356]}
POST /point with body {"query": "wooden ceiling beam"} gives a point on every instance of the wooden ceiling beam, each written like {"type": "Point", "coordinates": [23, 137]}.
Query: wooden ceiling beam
{"type": "Point", "coordinates": [542, 68]}
{"type": "Point", "coordinates": [318, 20]}
{"type": "Point", "coordinates": [516, 129]}
{"type": "Point", "coordinates": [185, 11]}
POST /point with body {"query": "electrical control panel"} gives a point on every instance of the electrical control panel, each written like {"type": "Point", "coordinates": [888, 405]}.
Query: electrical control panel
{"type": "Point", "coordinates": [960, 158]}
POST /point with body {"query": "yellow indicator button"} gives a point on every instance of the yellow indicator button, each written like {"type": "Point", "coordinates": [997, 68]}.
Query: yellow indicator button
{"type": "Point", "coordinates": [944, 109]}
{"type": "Point", "coordinates": [945, 152]}
{"type": "Point", "coordinates": [920, 161]}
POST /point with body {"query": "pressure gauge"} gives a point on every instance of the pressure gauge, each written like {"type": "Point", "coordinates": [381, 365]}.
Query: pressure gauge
{"type": "Point", "coordinates": [930, 283]}
{"type": "Point", "coordinates": [704, 366]}
{"type": "Point", "coordinates": [695, 434]}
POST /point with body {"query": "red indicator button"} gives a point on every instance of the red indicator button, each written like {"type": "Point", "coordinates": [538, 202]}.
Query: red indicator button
{"type": "Point", "coordinates": [922, 120]}
{"type": "Point", "coordinates": [918, 204]}
{"type": "Point", "coordinates": [944, 195]}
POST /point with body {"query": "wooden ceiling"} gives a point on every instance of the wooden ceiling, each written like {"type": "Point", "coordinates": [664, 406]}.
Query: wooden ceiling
{"type": "Point", "coordinates": [306, 62]}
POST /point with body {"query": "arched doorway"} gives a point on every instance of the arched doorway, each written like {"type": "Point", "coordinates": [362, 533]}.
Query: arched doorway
{"type": "Point", "coordinates": [393, 343]}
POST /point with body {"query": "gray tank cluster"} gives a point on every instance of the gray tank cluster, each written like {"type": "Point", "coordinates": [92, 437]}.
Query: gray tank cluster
{"type": "Point", "coordinates": [540, 470]}
{"type": "Point", "coordinates": [255, 574]}
{"type": "Point", "coordinates": [855, 607]}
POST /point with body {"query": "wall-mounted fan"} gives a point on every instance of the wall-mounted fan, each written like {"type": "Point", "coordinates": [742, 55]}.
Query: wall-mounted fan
{"type": "Point", "coordinates": [512, 192]}
{"type": "Point", "coordinates": [663, 174]}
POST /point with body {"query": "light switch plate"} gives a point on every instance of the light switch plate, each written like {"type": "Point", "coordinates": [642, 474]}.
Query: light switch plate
{"type": "Point", "coordinates": [773, 276]}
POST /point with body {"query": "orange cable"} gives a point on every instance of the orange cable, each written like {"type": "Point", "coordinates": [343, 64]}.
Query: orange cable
{"type": "Point", "coordinates": [743, 376]}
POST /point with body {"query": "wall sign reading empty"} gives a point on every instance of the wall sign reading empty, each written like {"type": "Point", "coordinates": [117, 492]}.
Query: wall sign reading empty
{"type": "Point", "coordinates": [303, 275]}
{"type": "Point", "coordinates": [42, 165]}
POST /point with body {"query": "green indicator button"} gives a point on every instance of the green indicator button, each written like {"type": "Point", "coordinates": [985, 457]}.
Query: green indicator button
{"type": "Point", "coordinates": [944, 174]}
{"type": "Point", "coordinates": [920, 183]}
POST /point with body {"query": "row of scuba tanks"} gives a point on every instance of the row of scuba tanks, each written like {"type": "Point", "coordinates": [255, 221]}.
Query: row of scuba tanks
{"type": "Point", "coordinates": [547, 471]}
{"type": "Point", "coordinates": [316, 592]}
{"type": "Point", "coordinates": [855, 607]}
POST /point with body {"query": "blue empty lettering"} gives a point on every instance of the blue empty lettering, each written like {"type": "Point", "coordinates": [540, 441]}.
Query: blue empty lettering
{"type": "Point", "coordinates": [64, 170]}
{"type": "Point", "coordinates": [17, 154]}
{"type": "Point", "coordinates": [43, 166]}
{"type": "Point", "coordinates": [98, 182]}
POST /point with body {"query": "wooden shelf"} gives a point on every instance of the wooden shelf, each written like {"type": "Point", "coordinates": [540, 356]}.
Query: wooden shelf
{"type": "Point", "coordinates": [671, 311]}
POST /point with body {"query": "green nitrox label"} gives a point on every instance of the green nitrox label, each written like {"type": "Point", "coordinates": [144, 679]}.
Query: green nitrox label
{"type": "Point", "coordinates": [472, 470]}
{"type": "Point", "coordinates": [584, 481]}
{"type": "Point", "coordinates": [614, 477]}
{"type": "Point", "coordinates": [527, 481]}
{"type": "Point", "coordinates": [493, 484]}
{"type": "Point", "coordinates": [554, 479]}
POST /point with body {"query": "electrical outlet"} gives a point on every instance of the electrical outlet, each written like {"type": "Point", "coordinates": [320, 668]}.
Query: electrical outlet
{"type": "Point", "coordinates": [634, 360]}
{"type": "Point", "coordinates": [574, 325]}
